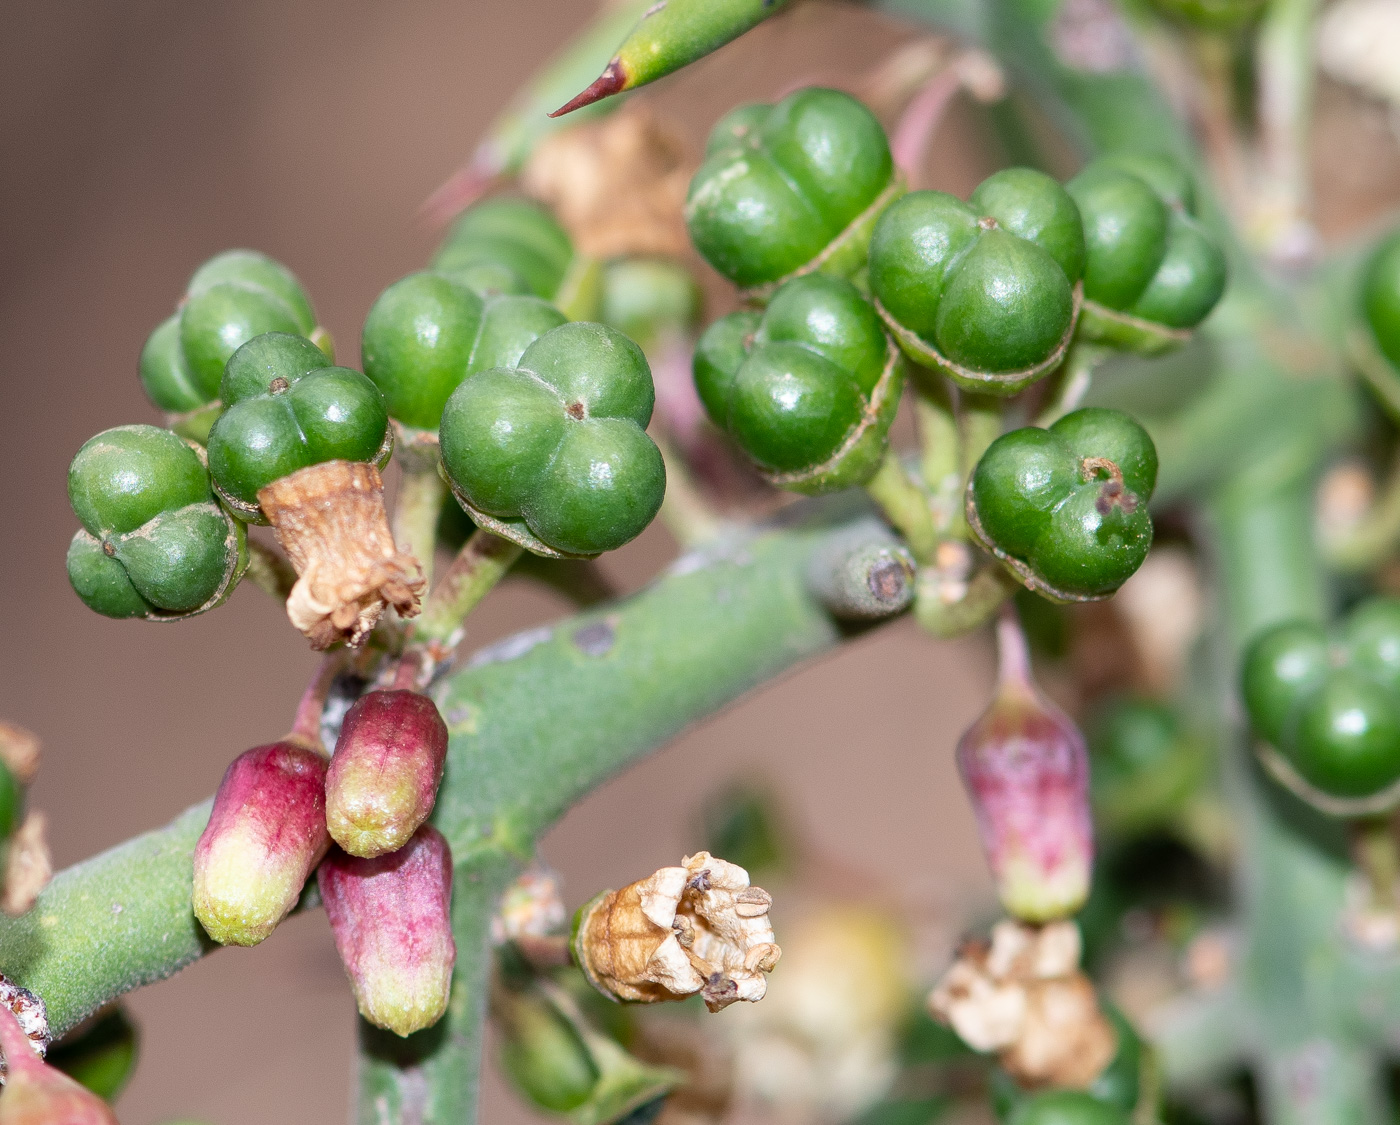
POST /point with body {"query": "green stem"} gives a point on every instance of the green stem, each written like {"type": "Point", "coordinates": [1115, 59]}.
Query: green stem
{"type": "Point", "coordinates": [940, 448]}
{"type": "Point", "coordinates": [479, 565]}
{"type": "Point", "coordinates": [269, 570]}
{"type": "Point", "coordinates": [417, 508]}
{"type": "Point", "coordinates": [687, 514]}
{"type": "Point", "coordinates": [979, 422]}
{"type": "Point", "coordinates": [905, 505]}
{"type": "Point", "coordinates": [1286, 80]}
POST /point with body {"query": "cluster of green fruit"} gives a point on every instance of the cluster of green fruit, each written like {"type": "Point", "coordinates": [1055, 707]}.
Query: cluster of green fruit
{"type": "Point", "coordinates": [800, 204]}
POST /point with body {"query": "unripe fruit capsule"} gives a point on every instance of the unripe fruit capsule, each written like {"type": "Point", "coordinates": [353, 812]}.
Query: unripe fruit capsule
{"type": "Point", "coordinates": [384, 775]}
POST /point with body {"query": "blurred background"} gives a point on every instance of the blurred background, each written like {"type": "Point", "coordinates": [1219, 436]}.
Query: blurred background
{"type": "Point", "coordinates": [141, 138]}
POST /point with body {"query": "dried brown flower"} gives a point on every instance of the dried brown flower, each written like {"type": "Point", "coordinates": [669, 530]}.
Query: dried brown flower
{"type": "Point", "coordinates": [331, 521]}
{"type": "Point", "coordinates": [1024, 997]}
{"type": "Point", "coordinates": [28, 865]}
{"type": "Point", "coordinates": [695, 928]}
{"type": "Point", "coordinates": [19, 752]}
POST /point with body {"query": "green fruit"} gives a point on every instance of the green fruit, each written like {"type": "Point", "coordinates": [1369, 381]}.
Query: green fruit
{"type": "Point", "coordinates": [791, 187]}
{"type": "Point", "coordinates": [233, 297]}
{"type": "Point", "coordinates": [287, 409]}
{"type": "Point", "coordinates": [1145, 767]}
{"type": "Point", "coordinates": [808, 389]}
{"type": "Point", "coordinates": [647, 299]}
{"type": "Point", "coordinates": [1218, 16]}
{"type": "Point", "coordinates": [983, 290]}
{"type": "Point", "coordinates": [1066, 508]}
{"type": "Point", "coordinates": [427, 332]}
{"type": "Point", "coordinates": [1330, 705]}
{"type": "Point", "coordinates": [543, 1055]}
{"type": "Point", "coordinates": [11, 803]}
{"type": "Point", "coordinates": [506, 245]}
{"type": "Point", "coordinates": [1381, 297]}
{"type": "Point", "coordinates": [154, 543]}
{"type": "Point", "coordinates": [553, 453]}
{"type": "Point", "coordinates": [1067, 1107]}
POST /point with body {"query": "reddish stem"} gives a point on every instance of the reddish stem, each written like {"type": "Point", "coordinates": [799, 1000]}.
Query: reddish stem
{"type": "Point", "coordinates": [920, 120]}
{"type": "Point", "coordinates": [306, 726]}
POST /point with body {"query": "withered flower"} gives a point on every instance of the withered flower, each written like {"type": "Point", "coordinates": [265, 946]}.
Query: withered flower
{"type": "Point", "coordinates": [28, 865]}
{"type": "Point", "coordinates": [695, 928]}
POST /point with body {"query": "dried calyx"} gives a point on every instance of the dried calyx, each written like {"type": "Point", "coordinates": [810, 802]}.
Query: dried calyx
{"type": "Point", "coordinates": [1023, 996]}
{"type": "Point", "coordinates": [25, 863]}
{"type": "Point", "coordinates": [331, 521]}
{"type": "Point", "coordinates": [1026, 770]}
{"type": "Point", "coordinates": [698, 928]}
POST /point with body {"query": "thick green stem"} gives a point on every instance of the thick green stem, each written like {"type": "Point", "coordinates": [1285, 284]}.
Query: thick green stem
{"type": "Point", "coordinates": [417, 508]}
{"type": "Point", "coordinates": [1072, 381]}
{"type": "Point", "coordinates": [479, 565]}
{"type": "Point", "coordinates": [905, 505]}
{"type": "Point", "coordinates": [940, 454]}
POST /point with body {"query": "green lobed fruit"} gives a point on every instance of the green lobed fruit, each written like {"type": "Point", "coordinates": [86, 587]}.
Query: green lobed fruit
{"type": "Point", "coordinates": [1329, 705]}
{"type": "Point", "coordinates": [285, 408]}
{"type": "Point", "coordinates": [808, 388]}
{"type": "Point", "coordinates": [1380, 296]}
{"type": "Point", "coordinates": [230, 299]}
{"type": "Point", "coordinates": [1066, 508]}
{"type": "Point", "coordinates": [1067, 1107]}
{"type": "Point", "coordinates": [154, 543]}
{"type": "Point", "coordinates": [982, 290]}
{"type": "Point", "coordinates": [428, 332]}
{"type": "Point", "coordinates": [648, 298]}
{"type": "Point", "coordinates": [791, 187]}
{"type": "Point", "coordinates": [553, 453]}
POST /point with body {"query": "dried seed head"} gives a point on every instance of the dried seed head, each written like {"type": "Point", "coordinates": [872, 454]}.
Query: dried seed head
{"type": "Point", "coordinates": [29, 1010]}
{"type": "Point", "coordinates": [1023, 996]}
{"type": "Point", "coordinates": [391, 917]}
{"type": "Point", "coordinates": [19, 752]}
{"type": "Point", "coordinates": [384, 776]}
{"type": "Point", "coordinates": [695, 928]}
{"type": "Point", "coordinates": [331, 521]}
{"type": "Point", "coordinates": [533, 906]}
{"type": "Point", "coordinates": [36, 1094]}
{"type": "Point", "coordinates": [1027, 772]}
{"type": "Point", "coordinates": [265, 835]}
{"type": "Point", "coordinates": [28, 865]}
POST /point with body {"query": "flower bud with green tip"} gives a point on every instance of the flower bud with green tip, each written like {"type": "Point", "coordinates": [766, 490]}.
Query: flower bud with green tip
{"type": "Point", "coordinates": [265, 835]}
{"type": "Point", "coordinates": [428, 332]}
{"type": "Point", "coordinates": [1329, 707]}
{"type": "Point", "coordinates": [808, 389]}
{"type": "Point", "coordinates": [391, 917]}
{"type": "Point", "coordinates": [38, 1094]}
{"type": "Point", "coordinates": [385, 772]}
{"type": "Point", "coordinates": [1065, 509]}
{"type": "Point", "coordinates": [298, 446]}
{"type": "Point", "coordinates": [101, 1055]}
{"type": "Point", "coordinates": [511, 245]}
{"type": "Point", "coordinates": [553, 454]}
{"type": "Point", "coordinates": [154, 542]}
{"type": "Point", "coordinates": [233, 297]}
{"type": "Point", "coordinates": [1025, 767]}
{"type": "Point", "coordinates": [985, 291]}
{"type": "Point", "coordinates": [791, 188]}
{"type": "Point", "coordinates": [1152, 272]}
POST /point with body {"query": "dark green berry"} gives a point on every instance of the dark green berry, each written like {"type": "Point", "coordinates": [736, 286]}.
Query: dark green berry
{"type": "Point", "coordinates": [1067, 1107]}
{"type": "Point", "coordinates": [153, 541]}
{"type": "Point", "coordinates": [982, 290]}
{"type": "Point", "coordinates": [11, 803]}
{"type": "Point", "coordinates": [785, 185]}
{"type": "Point", "coordinates": [427, 332]}
{"type": "Point", "coordinates": [1381, 297]}
{"type": "Point", "coordinates": [1066, 508]}
{"type": "Point", "coordinates": [553, 452]}
{"type": "Point", "coordinates": [286, 409]}
{"type": "Point", "coordinates": [1330, 705]}
{"type": "Point", "coordinates": [507, 245]}
{"type": "Point", "coordinates": [808, 389]}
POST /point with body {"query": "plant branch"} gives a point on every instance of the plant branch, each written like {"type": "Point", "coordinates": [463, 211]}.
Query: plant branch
{"type": "Point", "coordinates": [479, 565]}
{"type": "Point", "coordinates": [417, 508]}
{"type": "Point", "coordinates": [905, 504]}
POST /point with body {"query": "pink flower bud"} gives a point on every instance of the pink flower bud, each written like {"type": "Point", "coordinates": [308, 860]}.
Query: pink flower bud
{"type": "Point", "coordinates": [265, 836]}
{"type": "Point", "coordinates": [391, 916]}
{"type": "Point", "coordinates": [385, 773]}
{"type": "Point", "coordinates": [1026, 769]}
{"type": "Point", "coordinates": [37, 1094]}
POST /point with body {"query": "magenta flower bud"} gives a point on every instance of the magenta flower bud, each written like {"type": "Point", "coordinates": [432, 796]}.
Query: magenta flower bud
{"type": "Point", "coordinates": [385, 773]}
{"type": "Point", "coordinates": [391, 916]}
{"type": "Point", "coordinates": [1027, 771]}
{"type": "Point", "coordinates": [38, 1094]}
{"type": "Point", "coordinates": [264, 838]}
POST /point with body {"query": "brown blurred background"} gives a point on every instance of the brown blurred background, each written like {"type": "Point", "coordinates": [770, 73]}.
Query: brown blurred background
{"type": "Point", "coordinates": [139, 139]}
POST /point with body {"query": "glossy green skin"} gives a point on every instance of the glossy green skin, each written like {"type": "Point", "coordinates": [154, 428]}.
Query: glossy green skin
{"type": "Point", "coordinates": [780, 183]}
{"type": "Point", "coordinates": [286, 408]}
{"type": "Point", "coordinates": [11, 803]}
{"type": "Point", "coordinates": [506, 245]}
{"type": "Point", "coordinates": [153, 540]}
{"type": "Point", "coordinates": [230, 299]}
{"type": "Point", "coordinates": [1034, 503]}
{"type": "Point", "coordinates": [559, 441]}
{"type": "Point", "coordinates": [987, 283]}
{"type": "Point", "coordinates": [1067, 1107]}
{"type": "Point", "coordinates": [1380, 296]}
{"type": "Point", "coordinates": [427, 332]}
{"type": "Point", "coordinates": [790, 385]}
{"type": "Point", "coordinates": [1331, 705]}
{"type": "Point", "coordinates": [674, 35]}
